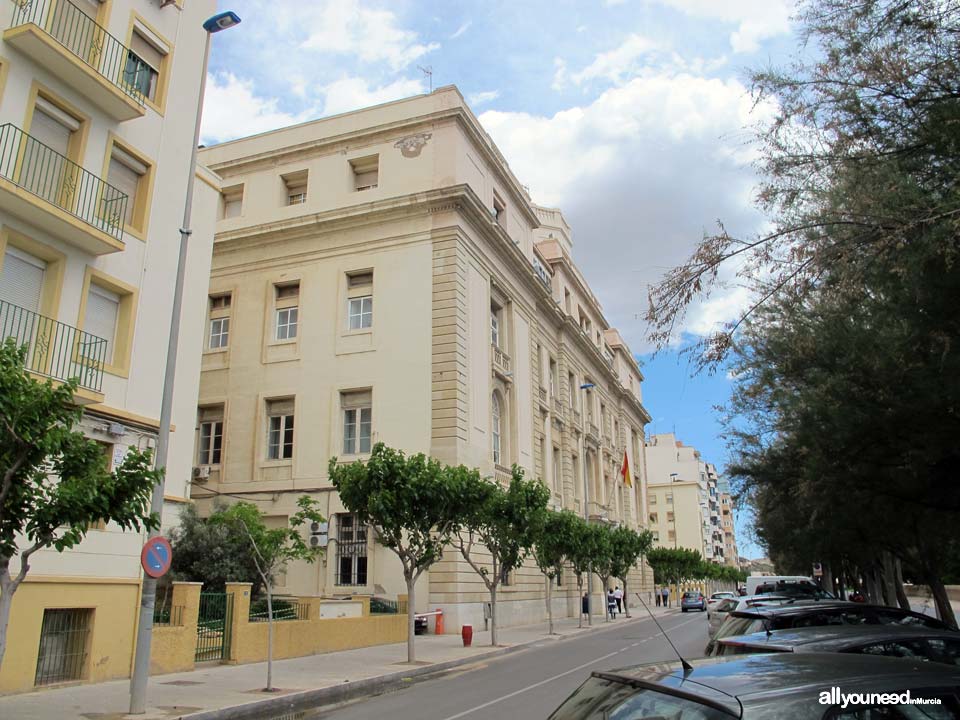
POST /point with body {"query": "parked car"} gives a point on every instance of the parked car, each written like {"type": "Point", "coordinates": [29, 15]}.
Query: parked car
{"type": "Point", "coordinates": [903, 641]}
{"type": "Point", "coordinates": [693, 600]}
{"type": "Point", "coordinates": [717, 615]}
{"type": "Point", "coordinates": [815, 613]}
{"type": "Point", "coordinates": [763, 687]}
{"type": "Point", "coordinates": [799, 588]}
{"type": "Point", "coordinates": [716, 597]}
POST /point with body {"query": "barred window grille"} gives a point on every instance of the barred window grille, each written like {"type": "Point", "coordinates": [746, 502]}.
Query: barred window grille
{"type": "Point", "coordinates": [351, 550]}
{"type": "Point", "coordinates": [64, 639]}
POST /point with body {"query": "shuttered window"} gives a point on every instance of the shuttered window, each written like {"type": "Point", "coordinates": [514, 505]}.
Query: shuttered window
{"type": "Point", "coordinates": [52, 127]}
{"type": "Point", "coordinates": [125, 173]}
{"type": "Point", "coordinates": [144, 62]}
{"type": "Point", "coordinates": [100, 319]}
{"type": "Point", "coordinates": [21, 282]}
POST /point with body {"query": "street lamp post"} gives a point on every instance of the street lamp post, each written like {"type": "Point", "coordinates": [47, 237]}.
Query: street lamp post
{"type": "Point", "coordinates": [586, 497]}
{"type": "Point", "coordinates": [148, 595]}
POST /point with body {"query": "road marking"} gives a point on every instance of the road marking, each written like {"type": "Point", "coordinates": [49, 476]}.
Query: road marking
{"type": "Point", "coordinates": [555, 677]}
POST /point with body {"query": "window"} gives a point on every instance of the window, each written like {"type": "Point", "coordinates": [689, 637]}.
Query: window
{"type": "Point", "coordinates": [495, 325]}
{"type": "Point", "coordinates": [669, 498]}
{"type": "Point", "coordinates": [360, 300]}
{"type": "Point", "coordinates": [64, 642]}
{"type": "Point", "coordinates": [499, 209]}
{"type": "Point", "coordinates": [351, 550]}
{"type": "Point", "coordinates": [554, 383]}
{"type": "Point", "coordinates": [557, 467]}
{"type": "Point", "coordinates": [671, 535]}
{"type": "Point", "coordinates": [144, 63]}
{"type": "Point", "coordinates": [357, 421]}
{"type": "Point", "coordinates": [653, 517]}
{"type": "Point", "coordinates": [219, 321]}
{"type": "Point", "coordinates": [53, 139]}
{"type": "Point", "coordinates": [211, 436]}
{"type": "Point", "coordinates": [505, 578]}
{"type": "Point", "coordinates": [280, 429]}
{"type": "Point", "coordinates": [232, 199]}
{"type": "Point", "coordinates": [652, 500]}
{"type": "Point", "coordinates": [656, 535]}
{"type": "Point", "coordinates": [366, 172]}
{"type": "Point", "coordinates": [287, 310]}
{"type": "Point", "coordinates": [670, 516]}
{"type": "Point", "coordinates": [129, 174]}
{"type": "Point", "coordinates": [495, 428]}
{"type": "Point", "coordinates": [21, 280]}
{"type": "Point", "coordinates": [100, 319]}
{"type": "Point", "coordinates": [575, 467]}
{"type": "Point", "coordinates": [572, 385]}
{"type": "Point", "coordinates": [295, 187]}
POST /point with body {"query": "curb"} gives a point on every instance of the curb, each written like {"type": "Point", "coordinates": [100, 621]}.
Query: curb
{"type": "Point", "coordinates": [334, 694]}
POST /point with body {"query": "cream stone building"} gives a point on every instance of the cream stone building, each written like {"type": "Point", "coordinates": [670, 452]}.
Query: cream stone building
{"type": "Point", "coordinates": [96, 130]}
{"type": "Point", "coordinates": [381, 275]}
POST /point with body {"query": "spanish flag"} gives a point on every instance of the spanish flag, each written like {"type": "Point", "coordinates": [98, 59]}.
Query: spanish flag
{"type": "Point", "coordinates": [625, 471]}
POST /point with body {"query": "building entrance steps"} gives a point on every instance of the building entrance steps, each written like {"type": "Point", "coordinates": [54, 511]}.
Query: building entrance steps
{"type": "Point", "coordinates": [220, 691]}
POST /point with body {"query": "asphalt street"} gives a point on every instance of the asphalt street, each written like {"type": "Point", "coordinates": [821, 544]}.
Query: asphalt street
{"type": "Point", "coordinates": [531, 683]}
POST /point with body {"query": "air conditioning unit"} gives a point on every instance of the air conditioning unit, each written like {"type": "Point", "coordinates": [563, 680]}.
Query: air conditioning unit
{"type": "Point", "coordinates": [201, 473]}
{"type": "Point", "coordinates": [318, 541]}
{"type": "Point", "coordinates": [318, 528]}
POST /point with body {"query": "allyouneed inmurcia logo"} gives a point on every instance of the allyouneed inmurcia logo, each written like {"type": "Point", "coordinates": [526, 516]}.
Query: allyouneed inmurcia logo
{"type": "Point", "coordinates": [835, 697]}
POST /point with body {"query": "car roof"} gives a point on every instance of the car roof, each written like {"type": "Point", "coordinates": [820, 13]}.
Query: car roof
{"type": "Point", "coordinates": [834, 637]}
{"type": "Point", "coordinates": [800, 606]}
{"type": "Point", "coordinates": [749, 678]}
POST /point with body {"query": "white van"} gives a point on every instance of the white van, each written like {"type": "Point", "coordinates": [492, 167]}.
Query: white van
{"type": "Point", "coordinates": [754, 581]}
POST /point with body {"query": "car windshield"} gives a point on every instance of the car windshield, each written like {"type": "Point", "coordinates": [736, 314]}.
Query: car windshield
{"type": "Point", "coordinates": [691, 595]}
{"type": "Point", "coordinates": [603, 699]}
{"type": "Point", "coordinates": [850, 616]}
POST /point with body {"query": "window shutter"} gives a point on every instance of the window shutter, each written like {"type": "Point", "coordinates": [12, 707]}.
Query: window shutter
{"type": "Point", "coordinates": [49, 129]}
{"type": "Point", "coordinates": [126, 180]}
{"type": "Point", "coordinates": [349, 400]}
{"type": "Point", "coordinates": [360, 280]}
{"type": "Point", "coordinates": [100, 319]}
{"type": "Point", "coordinates": [281, 407]}
{"type": "Point", "coordinates": [211, 414]}
{"type": "Point", "coordinates": [22, 280]}
{"type": "Point", "coordinates": [146, 51]}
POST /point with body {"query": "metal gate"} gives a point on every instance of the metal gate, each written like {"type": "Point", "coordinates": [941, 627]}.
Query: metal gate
{"type": "Point", "coordinates": [213, 626]}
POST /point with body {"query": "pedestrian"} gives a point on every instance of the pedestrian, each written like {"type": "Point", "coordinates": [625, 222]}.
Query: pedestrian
{"type": "Point", "coordinates": [656, 594]}
{"type": "Point", "coordinates": [611, 604]}
{"type": "Point", "coordinates": [666, 596]}
{"type": "Point", "coordinates": [618, 596]}
{"type": "Point", "coordinates": [585, 605]}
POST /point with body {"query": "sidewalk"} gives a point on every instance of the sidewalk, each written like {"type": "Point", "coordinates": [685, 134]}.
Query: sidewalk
{"type": "Point", "coordinates": [330, 678]}
{"type": "Point", "coordinates": [926, 606]}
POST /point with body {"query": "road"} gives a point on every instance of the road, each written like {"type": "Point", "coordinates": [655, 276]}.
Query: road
{"type": "Point", "coordinates": [530, 683]}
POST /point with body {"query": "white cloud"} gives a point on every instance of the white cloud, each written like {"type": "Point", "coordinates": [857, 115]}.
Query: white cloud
{"type": "Point", "coordinates": [559, 74]}
{"type": "Point", "coordinates": [480, 98]}
{"type": "Point", "coordinates": [756, 19]}
{"type": "Point", "coordinates": [343, 26]}
{"type": "Point", "coordinates": [231, 110]}
{"type": "Point", "coordinates": [353, 92]}
{"type": "Point", "coordinates": [619, 62]}
{"type": "Point", "coordinates": [462, 29]}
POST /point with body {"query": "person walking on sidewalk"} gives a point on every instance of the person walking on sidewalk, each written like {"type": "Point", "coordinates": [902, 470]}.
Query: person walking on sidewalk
{"type": "Point", "coordinates": [656, 594]}
{"type": "Point", "coordinates": [666, 596]}
{"type": "Point", "coordinates": [618, 596]}
{"type": "Point", "coordinates": [585, 605]}
{"type": "Point", "coordinates": [611, 604]}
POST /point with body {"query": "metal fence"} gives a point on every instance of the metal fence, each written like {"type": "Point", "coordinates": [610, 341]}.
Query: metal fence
{"type": "Point", "coordinates": [383, 606]}
{"type": "Point", "coordinates": [45, 173]}
{"type": "Point", "coordinates": [64, 637]}
{"type": "Point", "coordinates": [84, 38]}
{"type": "Point", "coordinates": [213, 626]}
{"type": "Point", "coordinates": [171, 616]}
{"type": "Point", "coordinates": [55, 350]}
{"type": "Point", "coordinates": [282, 610]}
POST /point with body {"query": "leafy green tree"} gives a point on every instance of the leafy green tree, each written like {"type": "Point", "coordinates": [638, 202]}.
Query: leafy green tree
{"type": "Point", "coordinates": [271, 549]}
{"type": "Point", "coordinates": [602, 563]}
{"type": "Point", "coordinates": [627, 547]}
{"type": "Point", "coordinates": [413, 505]}
{"type": "Point", "coordinates": [212, 553]}
{"type": "Point", "coordinates": [54, 482]}
{"type": "Point", "coordinates": [551, 549]}
{"type": "Point", "coordinates": [506, 524]}
{"type": "Point", "coordinates": [580, 554]}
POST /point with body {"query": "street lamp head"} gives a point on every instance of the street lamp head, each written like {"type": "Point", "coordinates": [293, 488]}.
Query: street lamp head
{"type": "Point", "coordinates": [221, 21]}
{"type": "Point", "coordinates": [587, 386]}
{"type": "Point", "coordinates": [674, 476]}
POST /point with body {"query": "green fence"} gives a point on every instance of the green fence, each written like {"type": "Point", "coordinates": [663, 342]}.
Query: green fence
{"type": "Point", "coordinates": [55, 350]}
{"type": "Point", "coordinates": [42, 171]}
{"type": "Point", "coordinates": [282, 610]}
{"type": "Point", "coordinates": [85, 39]}
{"type": "Point", "coordinates": [213, 626]}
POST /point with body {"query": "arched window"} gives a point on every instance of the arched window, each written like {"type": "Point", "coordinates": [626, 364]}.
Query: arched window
{"type": "Point", "coordinates": [496, 428]}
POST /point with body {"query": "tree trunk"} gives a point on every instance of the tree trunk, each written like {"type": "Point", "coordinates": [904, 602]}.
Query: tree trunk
{"type": "Point", "coordinates": [269, 637]}
{"type": "Point", "coordinates": [7, 589]}
{"type": "Point", "coordinates": [549, 605]}
{"type": "Point", "coordinates": [579, 601]}
{"type": "Point", "coordinates": [828, 577]}
{"type": "Point", "coordinates": [902, 598]}
{"type": "Point", "coordinates": [493, 615]}
{"type": "Point", "coordinates": [626, 599]}
{"type": "Point", "coordinates": [890, 579]}
{"type": "Point", "coordinates": [411, 619]}
{"type": "Point", "coordinates": [942, 601]}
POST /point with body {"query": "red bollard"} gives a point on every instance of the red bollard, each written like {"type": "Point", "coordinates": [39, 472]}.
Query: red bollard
{"type": "Point", "coordinates": [466, 632]}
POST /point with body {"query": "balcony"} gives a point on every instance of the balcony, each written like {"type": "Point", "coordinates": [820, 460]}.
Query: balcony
{"type": "Point", "coordinates": [501, 363]}
{"type": "Point", "coordinates": [51, 192]}
{"type": "Point", "coordinates": [503, 475]}
{"type": "Point", "coordinates": [542, 397]}
{"type": "Point", "coordinates": [558, 406]}
{"type": "Point", "coordinates": [576, 417]}
{"type": "Point", "coordinates": [55, 350]}
{"type": "Point", "coordinates": [62, 38]}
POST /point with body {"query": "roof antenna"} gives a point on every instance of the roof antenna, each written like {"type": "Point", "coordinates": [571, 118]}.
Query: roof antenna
{"type": "Point", "coordinates": [687, 667]}
{"type": "Point", "coordinates": [428, 72]}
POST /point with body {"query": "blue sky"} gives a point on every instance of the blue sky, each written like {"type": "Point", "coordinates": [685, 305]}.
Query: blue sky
{"type": "Point", "coordinates": [632, 116]}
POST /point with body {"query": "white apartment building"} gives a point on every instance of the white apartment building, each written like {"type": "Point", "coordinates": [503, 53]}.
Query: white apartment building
{"type": "Point", "coordinates": [96, 126]}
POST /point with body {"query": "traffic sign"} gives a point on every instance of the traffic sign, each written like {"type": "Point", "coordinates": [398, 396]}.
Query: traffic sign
{"type": "Point", "coordinates": [156, 557]}
{"type": "Point", "coordinates": [817, 570]}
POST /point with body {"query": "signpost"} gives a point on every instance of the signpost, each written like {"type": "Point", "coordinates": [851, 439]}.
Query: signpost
{"type": "Point", "coordinates": [156, 556]}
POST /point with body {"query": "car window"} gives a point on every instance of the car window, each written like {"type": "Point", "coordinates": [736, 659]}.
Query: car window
{"type": "Point", "coordinates": [896, 648]}
{"type": "Point", "coordinates": [601, 699]}
{"type": "Point", "coordinates": [724, 649]}
{"type": "Point", "coordinates": [945, 650]}
{"type": "Point", "coordinates": [726, 606]}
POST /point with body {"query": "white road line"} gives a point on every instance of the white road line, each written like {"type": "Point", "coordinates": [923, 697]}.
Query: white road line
{"type": "Point", "coordinates": [555, 677]}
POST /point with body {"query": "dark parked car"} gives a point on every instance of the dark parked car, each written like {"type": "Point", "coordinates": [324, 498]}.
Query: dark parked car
{"type": "Point", "coordinates": [693, 600]}
{"type": "Point", "coordinates": [765, 687]}
{"type": "Point", "coordinates": [903, 641]}
{"type": "Point", "coordinates": [814, 613]}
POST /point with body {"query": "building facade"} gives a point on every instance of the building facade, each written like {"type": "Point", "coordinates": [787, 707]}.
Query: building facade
{"type": "Point", "coordinates": [382, 276]}
{"type": "Point", "coordinates": [96, 129]}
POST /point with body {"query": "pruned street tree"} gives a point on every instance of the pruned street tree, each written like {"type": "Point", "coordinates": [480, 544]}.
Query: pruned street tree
{"type": "Point", "coordinates": [54, 481]}
{"type": "Point", "coordinates": [503, 527]}
{"type": "Point", "coordinates": [627, 547]}
{"type": "Point", "coordinates": [413, 505]}
{"type": "Point", "coordinates": [602, 562]}
{"type": "Point", "coordinates": [271, 549]}
{"type": "Point", "coordinates": [580, 556]}
{"type": "Point", "coordinates": [552, 548]}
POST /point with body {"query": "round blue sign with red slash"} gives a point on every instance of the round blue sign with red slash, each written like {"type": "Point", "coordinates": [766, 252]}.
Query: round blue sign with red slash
{"type": "Point", "coordinates": [156, 557]}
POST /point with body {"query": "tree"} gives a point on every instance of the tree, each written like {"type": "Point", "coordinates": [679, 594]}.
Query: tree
{"type": "Point", "coordinates": [506, 524]}
{"type": "Point", "coordinates": [413, 505]}
{"type": "Point", "coordinates": [627, 546]}
{"type": "Point", "coordinates": [55, 483]}
{"type": "Point", "coordinates": [272, 549]}
{"type": "Point", "coordinates": [212, 553]}
{"type": "Point", "coordinates": [580, 554]}
{"type": "Point", "coordinates": [552, 547]}
{"type": "Point", "coordinates": [602, 562]}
